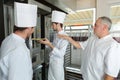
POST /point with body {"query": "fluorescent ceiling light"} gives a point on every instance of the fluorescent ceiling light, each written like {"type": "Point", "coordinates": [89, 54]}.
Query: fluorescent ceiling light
{"type": "Point", "coordinates": [85, 10]}
{"type": "Point", "coordinates": [70, 11]}
{"type": "Point", "coordinates": [115, 6]}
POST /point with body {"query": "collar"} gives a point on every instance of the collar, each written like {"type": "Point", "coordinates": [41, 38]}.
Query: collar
{"type": "Point", "coordinates": [18, 37]}
{"type": "Point", "coordinates": [60, 32]}
{"type": "Point", "coordinates": [105, 37]}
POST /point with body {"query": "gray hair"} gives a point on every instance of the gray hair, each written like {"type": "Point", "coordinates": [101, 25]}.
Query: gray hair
{"type": "Point", "coordinates": [107, 21]}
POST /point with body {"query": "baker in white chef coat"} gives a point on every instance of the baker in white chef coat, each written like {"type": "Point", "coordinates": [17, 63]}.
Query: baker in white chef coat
{"type": "Point", "coordinates": [56, 68]}
{"type": "Point", "coordinates": [15, 61]}
{"type": "Point", "coordinates": [101, 55]}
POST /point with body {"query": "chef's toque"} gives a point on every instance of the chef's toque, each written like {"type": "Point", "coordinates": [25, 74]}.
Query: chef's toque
{"type": "Point", "coordinates": [25, 15]}
{"type": "Point", "coordinates": [58, 16]}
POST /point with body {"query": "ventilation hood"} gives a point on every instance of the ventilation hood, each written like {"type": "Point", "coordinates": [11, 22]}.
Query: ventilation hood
{"type": "Point", "coordinates": [43, 9]}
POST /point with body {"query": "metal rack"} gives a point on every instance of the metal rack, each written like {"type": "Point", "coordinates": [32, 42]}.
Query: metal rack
{"type": "Point", "coordinates": [67, 57]}
{"type": "Point", "coordinates": [72, 71]}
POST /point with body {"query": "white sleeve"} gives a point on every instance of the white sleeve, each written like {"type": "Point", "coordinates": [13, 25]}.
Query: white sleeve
{"type": "Point", "coordinates": [20, 65]}
{"type": "Point", "coordinates": [112, 61]}
{"type": "Point", "coordinates": [83, 44]}
{"type": "Point", "coordinates": [60, 52]}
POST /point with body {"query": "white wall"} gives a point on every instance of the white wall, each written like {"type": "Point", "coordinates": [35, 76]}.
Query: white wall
{"type": "Point", "coordinates": [103, 7]}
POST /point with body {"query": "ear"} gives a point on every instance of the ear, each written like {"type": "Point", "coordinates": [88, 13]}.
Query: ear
{"type": "Point", "coordinates": [58, 25]}
{"type": "Point", "coordinates": [105, 27]}
{"type": "Point", "coordinates": [28, 29]}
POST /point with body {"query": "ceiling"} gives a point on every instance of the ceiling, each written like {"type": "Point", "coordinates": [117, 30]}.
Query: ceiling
{"type": "Point", "coordinates": [63, 4]}
{"type": "Point", "coordinates": [83, 17]}
{"type": "Point", "coordinates": [82, 12]}
{"type": "Point", "coordinates": [87, 16]}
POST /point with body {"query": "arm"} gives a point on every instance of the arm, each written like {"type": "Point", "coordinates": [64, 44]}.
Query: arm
{"type": "Point", "coordinates": [112, 64]}
{"type": "Point", "coordinates": [58, 51]}
{"type": "Point", "coordinates": [73, 42]}
{"type": "Point", "coordinates": [46, 42]}
{"type": "Point", "coordinates": [107, 77]}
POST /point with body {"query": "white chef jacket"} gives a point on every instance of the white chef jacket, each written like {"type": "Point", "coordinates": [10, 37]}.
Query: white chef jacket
{"type": "Point", "coordinates": [100, 57]}
{"type": "Point", "coordinates": [56, 69]}
{"type": "Point", "coordinates": [15, 61]}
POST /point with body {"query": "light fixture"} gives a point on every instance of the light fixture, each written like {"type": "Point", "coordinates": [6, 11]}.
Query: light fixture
{"type": "Point", "coordinates": [70, 11]}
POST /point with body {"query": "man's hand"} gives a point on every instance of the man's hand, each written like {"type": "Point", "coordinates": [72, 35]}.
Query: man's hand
{"type": "Point", "coordinates": [107, 77]}
{"type": "Point", "coordinates": [46, 42]}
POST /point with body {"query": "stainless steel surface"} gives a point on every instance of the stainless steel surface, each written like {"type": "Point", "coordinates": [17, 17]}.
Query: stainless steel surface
{"type": "Point", "coordinates": [73, 73]}
{"type": "Point", "coordinates": [37, 72]}
{"type": "Point", "coordinates": [37, 56]}
{"type": "Point", "coordinates": [73, 68]}
{"type": "Point", "coordinates": [41, 6]}
{"type": "Point", "coordinates": [8, 19]}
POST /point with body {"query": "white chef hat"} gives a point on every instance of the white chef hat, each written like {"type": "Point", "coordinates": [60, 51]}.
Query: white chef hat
{"type": "Point", "coordinates": [25, 14]}
{"type": "Point", "coordinates": [58, 16]}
